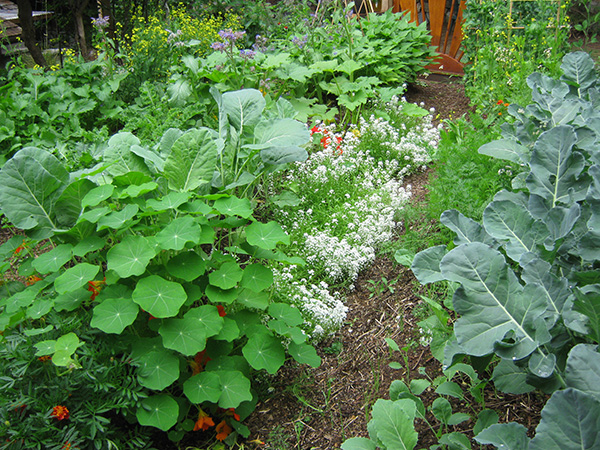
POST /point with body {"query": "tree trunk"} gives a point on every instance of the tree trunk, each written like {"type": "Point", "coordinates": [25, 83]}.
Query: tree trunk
{"type": "Point", "coordinates": [28, 33]}
{"type": "Point", "coordinates": [78, 8]}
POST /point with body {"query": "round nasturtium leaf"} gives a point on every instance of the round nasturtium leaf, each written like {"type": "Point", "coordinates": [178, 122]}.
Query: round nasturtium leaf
{"type": "Point", "coordinates": [304, 354]}
{"type": "Point", "coordinates": [256, 300]}
{"type": "Point", "coordinates": [159, 297]}
{"type": "Point", "coordinates": [180, 231]}
{"type": "Point", "coordinates": [160, 411]}
{"type": "Point", "coordinates": [75, 277]}
{"type": "Point", "coordinates": [233, 206]}
{"type": "Point", "coordinates": [266, 235]}
{"type": "Point", "coordinates": [218, 295]}
{"type": "Point", "coordinates": [264, 351]}
{"type": "Point", "coordinates": [87, 245]}
{"type": "Point", "coordinates": [116, 219]}
{"type": "Point", "coordinates": [39, 308]}
{"type": "Point", "coordinates": [257, 277]}
{"type": "Point", "coordinates": [229, 332]}
{"type": "Point", "coordinates": [183, 335]}
{"type": "Point", "coordinates": [54, 259]}
{"type": "Point", "coordinates": [97, 195]}
{"type": "Point", "coordinates": [227, 276]}
{"type": "Point", "coordinates": [158, 369]}
{"type": "Point", "coordinates": [203, 387]}
{"type": "Point", "coordinates": [170, 201]}
{"type": "Point", "coordinates": [188, 266]}
{"type": "Point", "coordinates": [208, 319]}
{"type": "Point", "coordinates": [287, 313]}
{"type": "Point", "coordinates": [130, 256]}
{"type": "Point", "coordinates": [114, 314]}
{"type": "Point", "coordinates": [235, 388]}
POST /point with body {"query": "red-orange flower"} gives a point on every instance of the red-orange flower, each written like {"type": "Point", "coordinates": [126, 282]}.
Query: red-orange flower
{"type": "Point", "coordinates": [199, 362]}
{"type": "Point", "coordinates": [221, 309]}
{"type": "Point", "coordinates": [32, 280]}
{"type": "Point", "coordinates": [231, 412]}
{"type": "Point", "coordinates": [325, 140]}
{"type": "Point", "coordinates": [44, 358]}
{"type": "Point", "coordinates": [204, 422]}
{"type": "Point", "coordinates": [499, 102]}
{"type": "Point", "coordinates": [95, 287]}
{"type": "Point", "coordinates": [314, 130]}
{"type": "Point", "coordinates": [60, 412]}
{"type": "Point", "coordinates": [223, 430]}
{"type": "Point", "coordinates": [20, 248]}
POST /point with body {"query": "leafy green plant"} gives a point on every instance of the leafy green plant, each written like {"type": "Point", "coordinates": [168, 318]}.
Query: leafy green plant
{"type": "Point", "coordinates": [528, 274]}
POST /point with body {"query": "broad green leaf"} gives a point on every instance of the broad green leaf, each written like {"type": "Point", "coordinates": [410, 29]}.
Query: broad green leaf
{"type": "Point", "coordinates": [233, 206]}
{"type": "Point", "coordinates": [510, 378]}
{"type": "Point", "coordinates": [304, 354]}
{"type": "Point", "coordinates": [511, 436]}
{"type": "Point", "coordinates": [64, 348]}
{"type": "Point", "coordinates": [70, 301]}
{"type": "Point", "coordinates": [229, 332]}
{"type": "Point", "coordinates": [542, 365]}
{"type": "Point", "coordinates": [256, 300]}
{"type": "Point", "coordinates": [242, 108]}
{"type": "Point", "coordinates": [152, 159]}
{"type": "Point", "coordinates": [583, 369]}
{"type": "Point", "coordinates": [40, 307]}
{"type": "Point", "coordinates": [235, 388]}
{"type": "Point", "coordinates": [455, 441]}
{"type": "Point", "coordinates": [97, 195]}
{"type": "Point", "coordinates": [135, 191]}
{"type": "Point", "coordinates": [491, 302]}
{"type": "Point", "coordinates": [179, 232]}
{"type": "Point", "coordinates": [184, 335]}
{"type": "Point", "coordinates": [358, 443]}
{"type": "Point", "coordinates": [587, 302]}
{"type": "Point", "coordinates": [94, 215]}
{"type": "Point", "coordinates": [179, 92]}
{"type": "Point", "coordinates": [68, 207]}
{"type": "Point", "coordinates": [578, 67]}
{"type": "Point", "coordinates": [264, 351]}
{"type": "Point", "coordinates": [507, 149]}
{"type": "Point", "coordinates": [45, 348]}
{"type": "Point", "coordinates": [392, 424]}
{"type": "Point", "coordinates": [187, 265]}
{"type": "Point", "coordinates": [257, 277]}
{"type": "Point", "coordinates": [287, 313]}
{"type": "Point", "coordinates": [227, 276]}
{"type": "Point", "coordinates": [279, 133]}
{"type": "Point", "coordinates": [203, 387]}
{"type": "Point", "coordinates": [418, 386]}
{"type": "Point", "coordinates": [450, 388]}
{"type": "Point", "coordinates": [54, 259]}
{"type": "Point", "coordinates": [130, 256]}
{"type": "Point", "coordinates": [266, 235]}
{"type": "Point", "coordinates": [349, 67]}
{"type": "Point", "coordinates": [485, 419]}
{"type": "Point", "coordinates": [467, 230]}
{"type": "Point", "coordinates": [158, 369]}
{"type": "Point", "coordinates": [116, 219]}
{"type": "Point", "coordinates": [218, 295]}
{"type": "Point", "coordinates": [160, 411]}
{"type": "Point", "coordinates": [192, 160]}
{"type": "Point", "coordinates": [441, 409]}
{"type": "Point", "coordinates": [30, 184]}
{"type": "Point", "coordinates": [207, 318]}
{"type": "Point", "coordinates": [159, 297]}
{"type": "Point", "coordinates": [87, 245]}
{"type": "Point", "coordinates": [113, 315]}
{"type": "Point", "coordinates": [570, 420]}
{"type": "Point", "coordinates": [170, 201]}
{"type": "Point", "coordinates": [426, 264]}
{"type": "Point", "coordinates": [75, 277]}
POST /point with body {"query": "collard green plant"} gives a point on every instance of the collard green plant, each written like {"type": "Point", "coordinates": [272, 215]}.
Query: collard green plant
{"type": "Point", "coordinates": [528, 274]}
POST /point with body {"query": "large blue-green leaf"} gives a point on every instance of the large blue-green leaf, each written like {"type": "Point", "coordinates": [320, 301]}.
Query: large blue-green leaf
{"type": "Point", "coordinates": [426, 264]}
{"type": "Point", "coordinates": [69, 205]}
{"type": "Point", "coordinates": [242, 108]}
{"type": "Point", "coordinates": [119, 157]}
{"type": "Point", "coordinates": [30, 184]}
{"type": "Point", "coordinates": [467, 230]}
{"type": "Point", "coordinates": [491, 302]}
{"type": "Point", "coordinates": [578, 67]}
{"type": "Point", "coordinates": [507, 436]}
{"type": "Point", "coordinates": [507, 149]}
{"type": "Point", "coordinates": [191, 162]}
{"type": "Point", "coordinates": [583, 369]}
{"type": "Point", "coordinates": [570, 421]}
{"type": "Point", "coordinates": [556, 168]}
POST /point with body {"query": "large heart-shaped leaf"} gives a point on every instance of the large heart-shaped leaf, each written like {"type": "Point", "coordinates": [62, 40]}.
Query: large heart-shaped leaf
{"type": "Point", "coordinates": [159, 297]}
{"type": "Point", "coordinates": [120, 159]}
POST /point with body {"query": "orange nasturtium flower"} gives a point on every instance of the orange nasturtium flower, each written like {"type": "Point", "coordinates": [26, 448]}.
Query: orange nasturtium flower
{"type": "Point", "coordinates": [32, 280]}
{"type": "Point", "coordinates": [60, 412]}
{"type": "Point", "coordinates": [221, 310]}
{"type": "Point", "coordinates": [95, 287]}
{"type": "Point", "coordinates": [204, 422]}
{"type": "Point", "coordinates": [231, 412]}
{"type": "Point", "coordinates": [223, 430]}
{"type": "Point", "coordinates": [20, 248]}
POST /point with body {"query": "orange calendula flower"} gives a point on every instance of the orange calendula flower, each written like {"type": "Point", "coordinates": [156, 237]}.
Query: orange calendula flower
{"type": "Point", "coordinates": [60, 412]}
{"type": "Point", "coordinates": [95, 287]}
{"type": "Point", "coordinates": [204, 422]}
{"type": "Point", "coordinates": [223, 430]}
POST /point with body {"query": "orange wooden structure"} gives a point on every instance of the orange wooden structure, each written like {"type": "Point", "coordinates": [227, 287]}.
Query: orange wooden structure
{"type": "Point", "coordinates": [444, 19]}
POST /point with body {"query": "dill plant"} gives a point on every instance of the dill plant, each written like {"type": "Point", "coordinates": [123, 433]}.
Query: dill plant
{"type": "Point", "coordinates": [346, 203]}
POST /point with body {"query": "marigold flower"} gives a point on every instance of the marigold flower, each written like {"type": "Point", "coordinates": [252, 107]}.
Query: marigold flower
{"type": "Point", "coordinates": [221, 309]}
{"type": "Point", "coordinates": [204, 422]}
{"type": "Point", "coordinates": [223, 430]}
{"type": "Point", "coordinates": [60, 412]}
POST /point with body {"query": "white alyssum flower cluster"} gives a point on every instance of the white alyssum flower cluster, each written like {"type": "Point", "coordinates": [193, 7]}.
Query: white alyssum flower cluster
{"type": "Point", "coordinates": [350, 196]}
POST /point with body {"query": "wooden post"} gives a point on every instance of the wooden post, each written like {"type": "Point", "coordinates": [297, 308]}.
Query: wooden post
{"type": "Point", "coordinates": [26, 23]}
